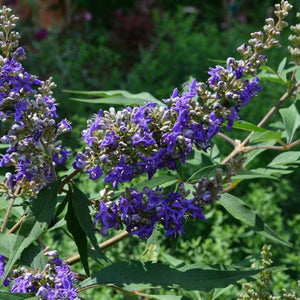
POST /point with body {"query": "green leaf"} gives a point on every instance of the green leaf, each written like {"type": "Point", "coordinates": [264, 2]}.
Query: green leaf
{"type": "Point", "coordinates": [285, 159]}
{"type": "Point", "coordinates": [152, 248]}
{"type": "Point", "coordinates": [33, 257]}
{"type": "Point", "coordinates": [253, 154]}
{"type": "Point", "coordinates": [291, 121]}
{"type": "Point", "coordinates": [243, 125]}
{"type": "Point", "coordinates": [268, 69]}
{"type": "Point", "coordinates": [61, 207]}
{"type": "Point", "coordinates": [162, 181]}
{"type": "Point", "coordinates": [36, 222]}
{"type": "Point", "coordinates": [265, 136]}
{"type": "Point", "coordinates": [77, 233]}
{"type": "Point", "coordinates": [280, 69]}
{"type": "Point", "coordinates": [120, 97]}
{"type": "Point", "coordinates": [159, 275]}
{"type": "Point", "coordinates": [4, 146]}
{"type": "Point", "coordinates": [240, 211]}
{"type": "Point", "coordinates": [246, 174]}
{"type": "Point", "coordinates": [166, 297]}
{"type": "Point", "coordinates": [81, 210]}
{"type": "Point", "coordinates": [208, 171]}
{"type": "Point", "coordinates": [7, 242]}
{"type": "Point", "coordinates": [264, 76]}
{"type": "Point", "coordinates": [16, 296]}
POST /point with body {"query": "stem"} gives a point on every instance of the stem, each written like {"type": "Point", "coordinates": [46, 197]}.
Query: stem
{"type": "Point", "coordinates": [264, 120]}
{"type": "Point", "coordinates": [227, 139]}
{"type": "Point", "coordinates": [16, 226]}
{"type": "Point", "coordinates": [67, 179]}
{"type": "Point", "coordinates": [280, 148]}
{"type": "Point", "coordinates": [11, 204]}
{"type": "Point", "coordinates": [133, 293]}
{"type": "Point", "coordinates": [75, 259]}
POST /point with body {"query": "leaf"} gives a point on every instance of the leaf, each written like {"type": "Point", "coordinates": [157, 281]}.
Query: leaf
{"type": "Point", "coordinates": [270, 77]}
{"type": "Point", "coordinates": [152, 248]}
{"type": "Point", "coordinates": [268, 69]}
{"type": "Point", "coordinates": [162, 181]}
{"type": "Point", "coordinates": [61, 207]}
{"type": "Point", "coordinates": [284, 159]}
{"type": "Point", "coordinates": [36, 222]}
{"type": "Point", "coordinates": [81, 211]}
{"type": "Point", "coordinates": [208, 171]}
{"type": "Point", "coordinates": [33, 257]}
{"type": "Point", "coordinates": [16, 296]}
{"type": "Point", "coordinates": [166, 297]}
{"type": "Point", "coordinates": [243, 125]}
{"type": "Point", "coordinates": [246, 174]}
{"type": "Point", "coordinates": [280, 69]}
{"type": "Point", "coordinates": [291, 121]}
{"type": "Point", "coordinates": [160, 275]}
{"type": "Point", "coordinates": [265, 136]}
{"type": "Point", "coordinates": [120, 97]}
{"type": "Point", "coordinates": [240, 211]}
{"type": "Point", "coordinates": [6, 243]}
{"type": "Point", "coordinates": [4, 146]}
{"type": "Point", "coordinates": [253, 154]}
{"type": "Point", "coordinates": [77, 233]}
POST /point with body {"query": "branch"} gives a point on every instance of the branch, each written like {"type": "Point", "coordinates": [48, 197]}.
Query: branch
{"type": "Point", "coordinates": [75, 259]}
{"type": "Point", "coordinates": [11, 204]}
{"type": "Point", "coordinates": [67, 179]}
{"type": "Point", "coordinates": [263, 121]}
{"type": "Point", "coordinates": [227, 139]}
{"type": "Point", "coordinates": [279, 148]}
{"type": "Point", "coordinates": [16, 226]}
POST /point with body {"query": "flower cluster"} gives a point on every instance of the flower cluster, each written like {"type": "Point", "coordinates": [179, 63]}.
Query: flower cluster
{"type": "Point", "coordinates": [147, 138]}
{"type": "Point", "coordinates": [56, 281]}
{"type": "Point", "coordinates": [33, 147]}
{"type": "Point", "coordinates": [141, 212]}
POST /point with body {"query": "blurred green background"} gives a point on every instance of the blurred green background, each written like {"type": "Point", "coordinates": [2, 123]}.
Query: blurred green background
{"type": "Point", "coordinates": [155, 46]}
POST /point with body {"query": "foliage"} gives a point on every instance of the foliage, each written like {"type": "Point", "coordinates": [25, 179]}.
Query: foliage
{"type": "Point", "coordinates": [60, 211]}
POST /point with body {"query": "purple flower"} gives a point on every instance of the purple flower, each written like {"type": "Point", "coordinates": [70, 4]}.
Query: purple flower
{"type": "Point", "coordinates": [5, 160]}
{"type": "Point", "coordinates": [249, 91]}
{"type": "Point", "coordinates": [20, 108]}
{"type": "Point", "coordinates": [80, 162]}
{"type": "Point", "coordinates": [64, 126]}
{"type": "Point", "coordinates": [95, 172]}
{"type": "Point", "coordinates": [20, 53]}
{"type": "Point", "coordinates": [238, 72]}
{"type": "Point", "coordinates": [215, 75]}
{"type": "Point", "coordinates": [144, 138]}
{"type": "Point", "coordinates": [232, 117]}
{"type": "Point", "coordinates": [2, 266]}
{"type": "Point", "coordinates": [110, 139]}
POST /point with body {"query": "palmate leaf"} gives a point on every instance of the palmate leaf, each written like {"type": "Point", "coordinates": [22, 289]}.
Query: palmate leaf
{"type": "Point", "coordinates": [139, 275]}
{"type": "Point", "coordinates": [36, 223]}
{"type": "Point", "coordinates": [116, 97]}
{"type": "Point", "coordinates": [240, 211]}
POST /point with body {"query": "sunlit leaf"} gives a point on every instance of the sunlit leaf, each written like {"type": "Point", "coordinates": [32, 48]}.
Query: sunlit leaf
{"type": "Point", "coordinates": [36, 223]}
{"type": "Point", "coordinates": [150, 275]}
{"type": "Point", "coordinates": [240, 211]}
{"type": "Point", "coordinates": [291, 121]}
